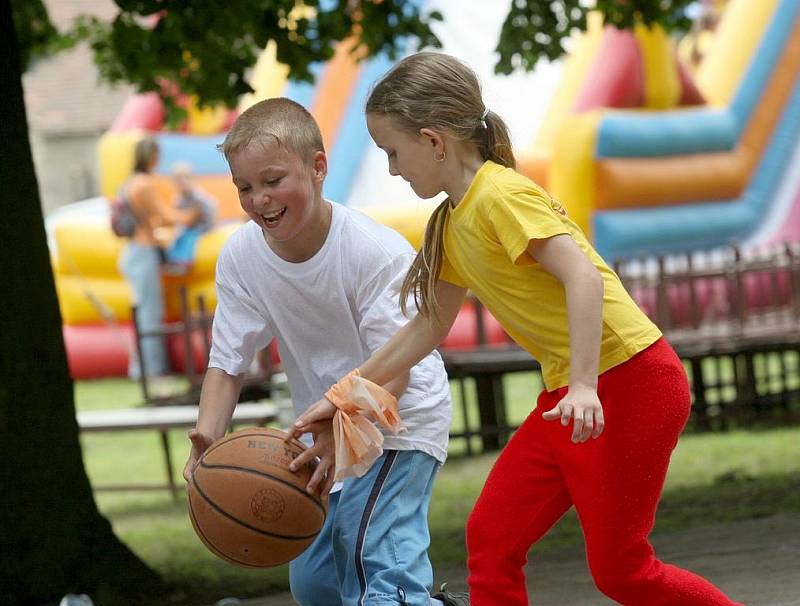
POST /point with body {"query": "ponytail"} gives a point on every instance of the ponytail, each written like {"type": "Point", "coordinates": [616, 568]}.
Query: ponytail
{"type": "Point", "coordinates": [495, 142]}
{"type": "Point", "coordinates": [424, 271]}
{"type": "Point", "coordinates": [435, 90]}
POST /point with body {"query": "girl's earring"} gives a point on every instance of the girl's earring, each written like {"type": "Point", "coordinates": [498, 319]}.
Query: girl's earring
{"type": "Point", "coordinates": [439, 157]}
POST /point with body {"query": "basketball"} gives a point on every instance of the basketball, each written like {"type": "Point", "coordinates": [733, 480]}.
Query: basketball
{"type": "Point", "coordinates": [245, 504]}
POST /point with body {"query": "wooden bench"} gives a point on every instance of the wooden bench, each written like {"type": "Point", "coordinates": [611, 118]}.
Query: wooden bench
{"type": "Point", "coordinates": [165, 418]}
{"type": "Point", "coordinates": [487, 364]}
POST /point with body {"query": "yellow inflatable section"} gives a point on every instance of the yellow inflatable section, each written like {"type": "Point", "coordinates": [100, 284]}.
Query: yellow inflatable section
{"type": "Point", "coordinates": [732, 47]}
{"type": "Point", "coordinates": [576, 67]}
{"type": "Point", "coordinates": [564, 154]}
{"type": "Point", "coordinates": [115, 159]}
{"type": "Point", "coordinates": [206, 120]}
{"type": "Point", "coordinates": [91, 289]}
{"type": "Point", "coordinates": [662, 86]}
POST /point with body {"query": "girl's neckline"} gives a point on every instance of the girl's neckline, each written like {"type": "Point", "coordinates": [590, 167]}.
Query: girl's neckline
{"type": "Point", "coordinates": [486, 166]}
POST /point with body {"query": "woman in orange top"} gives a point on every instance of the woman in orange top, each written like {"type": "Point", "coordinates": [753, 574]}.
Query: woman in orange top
{"type": "Point", "coordinates": [140, 262]}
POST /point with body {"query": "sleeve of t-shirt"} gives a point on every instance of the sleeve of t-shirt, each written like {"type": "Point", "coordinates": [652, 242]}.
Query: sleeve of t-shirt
{"type": "Point", "coordinates": [449, 274]}
{"type": "Point", "coordinates": [379, 303]}
{"type": "Point", "coordinates": [522, 216]}
{"type": "Point", "coordinates": [239, 329]}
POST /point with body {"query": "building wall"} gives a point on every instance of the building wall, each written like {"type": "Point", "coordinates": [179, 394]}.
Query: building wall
{"type": "Point", "coordinates": [68, 109]}
{"type": "Point", "coordinates": [66, 167]}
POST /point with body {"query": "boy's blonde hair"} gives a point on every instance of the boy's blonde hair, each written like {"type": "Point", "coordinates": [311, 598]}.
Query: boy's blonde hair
{"type": "Point", "coordinates": [278, 120]}
{"type": "Point", "coordinates": [437, 91]}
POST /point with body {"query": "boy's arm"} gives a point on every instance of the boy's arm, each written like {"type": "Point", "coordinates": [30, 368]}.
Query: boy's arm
{"type": "Point", "coordinates": [218, 398]}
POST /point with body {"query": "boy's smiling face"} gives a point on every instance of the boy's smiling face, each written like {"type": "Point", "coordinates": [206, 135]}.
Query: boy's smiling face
{"type": "Point", "coordinates": [283, 195]}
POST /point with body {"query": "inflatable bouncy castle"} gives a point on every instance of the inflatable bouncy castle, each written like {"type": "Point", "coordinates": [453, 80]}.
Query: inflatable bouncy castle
{"type": "Point", "coordinates": [648, 156]}
{"type": "Point", "coordinates": [647, 182]}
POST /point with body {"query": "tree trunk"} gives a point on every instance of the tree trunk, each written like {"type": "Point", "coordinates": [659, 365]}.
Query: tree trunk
{"type": "Point", "coordinates": [53, 539]}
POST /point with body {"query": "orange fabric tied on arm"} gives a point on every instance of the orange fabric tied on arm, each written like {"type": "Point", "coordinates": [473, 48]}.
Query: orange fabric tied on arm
{"type": "Point", "coordinates": [358, 442]}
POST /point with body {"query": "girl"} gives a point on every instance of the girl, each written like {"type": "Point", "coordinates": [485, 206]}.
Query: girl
{"type": "Point", "coordinates": [608, 372]}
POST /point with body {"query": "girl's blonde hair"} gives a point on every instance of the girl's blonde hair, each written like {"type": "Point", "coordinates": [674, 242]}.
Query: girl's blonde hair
{"type": "Point", "coordinates": [437, 91]}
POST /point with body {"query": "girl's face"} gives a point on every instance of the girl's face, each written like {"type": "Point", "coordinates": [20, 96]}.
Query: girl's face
{"type": "Point", "coordinates": [281, 194]}
{"type": "Point", "coordinates": [411, 156]}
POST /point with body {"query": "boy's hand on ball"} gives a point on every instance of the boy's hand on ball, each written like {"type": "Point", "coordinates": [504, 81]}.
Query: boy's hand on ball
{"type": "Point", "coordinates": [322, 449]}
{"type": "Point", "coordinates": [583, 408]}
{"type": "Point", "coordinates": [200, 442]}
{"type": "Point", "coordinates": [319, 411]}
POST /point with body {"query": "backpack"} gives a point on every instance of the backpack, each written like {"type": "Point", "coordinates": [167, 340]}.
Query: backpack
{"type": "Point", "coordinates": [123, 219]}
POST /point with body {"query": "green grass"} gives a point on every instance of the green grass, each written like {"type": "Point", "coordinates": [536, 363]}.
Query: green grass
{"type": "Point", "coordinates": [713, 478]}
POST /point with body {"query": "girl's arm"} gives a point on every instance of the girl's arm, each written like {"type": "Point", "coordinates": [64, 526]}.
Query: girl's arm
{"type": "Point", "coordinates": [397, 386]}
{"type": "Point", "coordinates": [406, 348]}
{"type": "Point", "coordinates": [583, 286]}
{"type": "Point", "coordinates": [416, 339]}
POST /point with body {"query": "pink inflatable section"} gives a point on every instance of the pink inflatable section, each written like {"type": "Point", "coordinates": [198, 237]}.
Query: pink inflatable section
{"type": "Point", "coordinates": [103, 351]}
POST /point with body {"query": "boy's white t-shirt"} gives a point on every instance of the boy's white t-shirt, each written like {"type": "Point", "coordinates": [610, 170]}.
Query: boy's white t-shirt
{"type": "Point", "coordinates": [328, 314]}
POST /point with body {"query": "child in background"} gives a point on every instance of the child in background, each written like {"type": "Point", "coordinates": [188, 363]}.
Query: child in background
{"type": "Point", "coordinates": [323, 280]}
{"type": "Point", "coordinates": [180, 255]}
{"type": "Point", "coordinates": [607, 369]}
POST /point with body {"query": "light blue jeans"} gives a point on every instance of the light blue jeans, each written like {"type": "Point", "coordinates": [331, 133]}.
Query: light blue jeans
{"type": "Point", "coordinates": [141, 266]}
{"type": "Point", "coordinates": [373, 547]}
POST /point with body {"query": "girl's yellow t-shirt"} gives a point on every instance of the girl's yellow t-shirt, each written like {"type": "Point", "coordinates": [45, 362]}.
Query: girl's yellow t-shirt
{"type": "Point", "coordinates": [485, 245]}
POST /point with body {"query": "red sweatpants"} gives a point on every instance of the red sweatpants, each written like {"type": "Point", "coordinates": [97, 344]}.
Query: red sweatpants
{"type": "Point", "coordinates": [613, 481]}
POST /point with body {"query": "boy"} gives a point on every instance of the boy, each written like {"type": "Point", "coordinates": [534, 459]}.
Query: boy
{"type": "Point", "coordinates": [324, 280]}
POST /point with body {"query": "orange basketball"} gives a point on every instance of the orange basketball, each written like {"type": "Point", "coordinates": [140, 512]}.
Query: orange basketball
{"type": "Point", "coordinates": [245, 504]}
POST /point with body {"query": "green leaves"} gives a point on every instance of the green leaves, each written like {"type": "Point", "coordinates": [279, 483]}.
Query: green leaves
{"type": "Point", "coordinates": [386, 25]}
{"type": "Point", "coordinates": [36, 35]}
{"type": "Point", "coordinates": [669, 14]}
{"type": "Point", "coordinates": [533, 30]}
{"type": "Point", "coordinates": [207, 49]}
{"type": "Point", "coordinates": [536, 29]}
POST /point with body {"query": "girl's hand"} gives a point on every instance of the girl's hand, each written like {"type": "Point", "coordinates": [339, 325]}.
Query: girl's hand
{"type": "Point", "coordinates": [200, 443]}
{"type": "Point", "coordinates": [323, 448]}
{"type": "Point", "coordinates": [319, 411]}
{"type": "Point", "coordinates": [582, 406]}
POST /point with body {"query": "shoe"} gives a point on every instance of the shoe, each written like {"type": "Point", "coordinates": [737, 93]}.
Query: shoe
{"type": "Point", "coordinates": [452, 598]}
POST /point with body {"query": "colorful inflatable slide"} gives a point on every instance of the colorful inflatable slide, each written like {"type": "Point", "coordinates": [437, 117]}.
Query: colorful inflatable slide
{"type": "Point", "coordinates": [641, 181]}
{"type": "Point", "coordinates": [645, 182]}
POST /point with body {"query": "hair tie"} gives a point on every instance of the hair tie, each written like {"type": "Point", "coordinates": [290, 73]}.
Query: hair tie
{"type": "Point", "coordinates": [483, 117]}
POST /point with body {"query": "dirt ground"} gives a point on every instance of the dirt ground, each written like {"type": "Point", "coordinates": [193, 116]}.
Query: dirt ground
{"type": "Point", "coordinates": [756, 562]}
